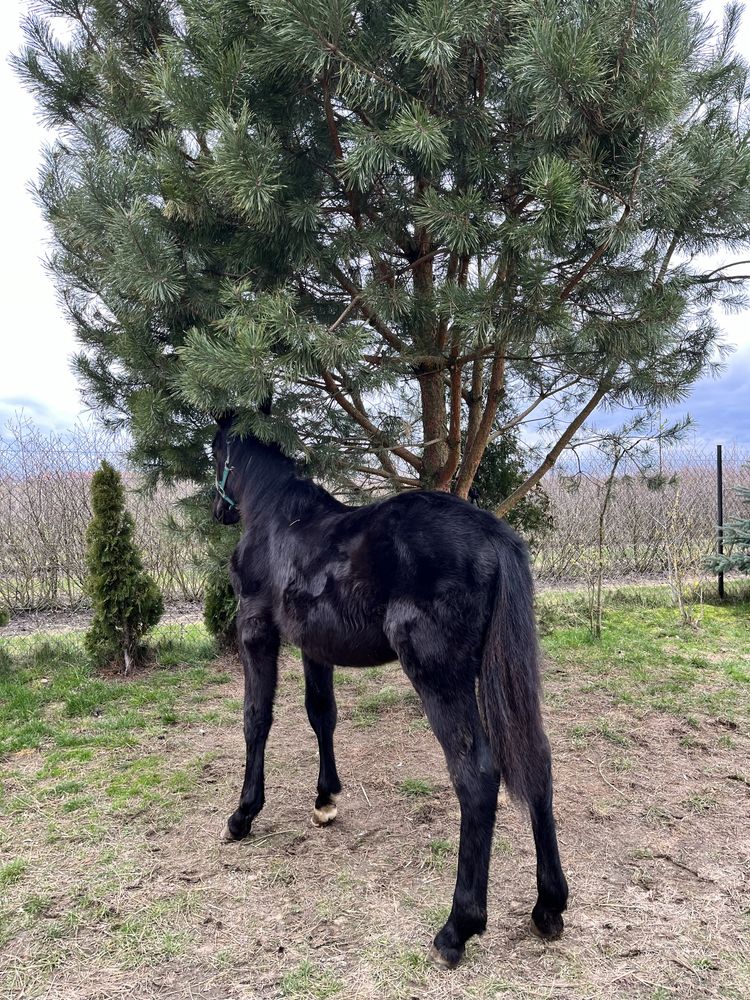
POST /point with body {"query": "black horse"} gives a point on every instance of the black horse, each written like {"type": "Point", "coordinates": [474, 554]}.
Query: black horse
{"type": "Point", "coordinates": [423, 577]}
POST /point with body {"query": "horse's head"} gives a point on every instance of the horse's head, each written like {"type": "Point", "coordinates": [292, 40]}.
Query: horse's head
{"type": "Point", "coordinates": [224, 509]}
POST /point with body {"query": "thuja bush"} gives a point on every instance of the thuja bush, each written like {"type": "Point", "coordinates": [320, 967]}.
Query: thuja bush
{"type": "Point", "coordinates": [220, 609]}
{"type": "Point", "coordinates": [125, 599]}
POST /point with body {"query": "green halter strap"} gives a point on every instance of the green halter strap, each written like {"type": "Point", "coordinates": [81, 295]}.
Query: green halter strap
{"type": "Point", "coordinates": [221, 486]}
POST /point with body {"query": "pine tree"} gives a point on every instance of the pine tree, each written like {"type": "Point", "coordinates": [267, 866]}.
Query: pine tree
{"type": "Point", "coordinates": [125, 599]}
{"type": "Point", "coordinates": [736, 538]}
{"type": "Point", "coordinates": [421, 224]}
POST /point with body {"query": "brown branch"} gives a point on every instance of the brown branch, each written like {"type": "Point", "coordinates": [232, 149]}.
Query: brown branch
{"type": "Point", "coordinates": [520, 417]}
{"type": "Point", "coordinates": [474, 400]}
{"type": "Point", "coordinates": [667, 258]}
{"type": "Point", "coordinates": [374, 432]}
{"type": "Point", "coordinates": [381, 474]}
{"type": "Point", "coordinates": [381, 453]}
{"type": "Point", "coordinates": [601, 250]}
{"type": "Point", "coordinates": [454, 432]}
{"type": "Point", "coordinates": [370, 315]}
{"type": "Point", "coordinates": [345, 314]}
{"type": "Point", "coordinates": [419, 261]}
{"type": "Point", "coordinates": [333, 131]}
{"type": "Point", "coordinates": [338, 152]}
{"type": "Point", "coordinates": [733, 263]}
{"type": "Point", "coordinates": [626, 39]}
{"type": "Point", "coordinates": [552, 456]}
{"type": "Point", "coordinates": [475, 448]}
{"type": "Point", "coordinates": [578, 278]}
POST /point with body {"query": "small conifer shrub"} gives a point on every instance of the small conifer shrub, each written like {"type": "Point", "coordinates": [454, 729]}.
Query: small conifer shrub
{"type": "Point", "coordinates": [220, 609]}
{"type": "Point", "coordinates": [125, 599]}
{"type": "Point", "coordinates": [736, 534]}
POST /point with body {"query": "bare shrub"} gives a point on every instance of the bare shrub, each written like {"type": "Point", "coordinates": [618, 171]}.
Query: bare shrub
{"type": "Point", "coordinates": [637, 536]}
{"type": "Point", "coordinates": [45, 508]}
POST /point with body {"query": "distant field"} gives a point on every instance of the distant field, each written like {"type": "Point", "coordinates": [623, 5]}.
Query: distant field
{"type": "Point", "coordinates": [113, 883]}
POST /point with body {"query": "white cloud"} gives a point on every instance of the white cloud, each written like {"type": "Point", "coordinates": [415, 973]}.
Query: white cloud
{"type": "Point", "coordinates": [36, 340]}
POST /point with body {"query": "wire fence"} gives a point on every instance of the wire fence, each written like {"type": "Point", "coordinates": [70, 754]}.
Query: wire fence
{"type": "Point", "coordinates": [643, 520]}
{"type": "Point", "coordinates": [45, 508]}
{"type": "Point", "coordinates": [640, 521]}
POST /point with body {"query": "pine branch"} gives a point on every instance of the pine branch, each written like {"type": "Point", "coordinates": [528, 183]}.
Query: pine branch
{"type": "Point", "coordinates": [375, 434]}
{"type": "Point", "coordinates": [475, 447]}
{"type": "Point", "coordinates": [454, 431]}
{"type": "Point", "coordinates": [391, 477]}
{"type": "Point", "coordinates": [367, 311]}
{"type": "Point", "coordinates": [562, 442]}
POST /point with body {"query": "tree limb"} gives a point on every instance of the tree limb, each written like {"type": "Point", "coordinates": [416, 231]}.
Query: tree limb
{"type": "Point", "coordinates": [374, 432]}
{"type": "Point", "coordinates": [552, 456]}
{"type": "Point", "coordinates": [475, 447]}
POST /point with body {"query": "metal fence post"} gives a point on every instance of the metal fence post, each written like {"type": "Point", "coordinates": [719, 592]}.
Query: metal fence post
{"type": "Point", "coordinates": [720, 512]}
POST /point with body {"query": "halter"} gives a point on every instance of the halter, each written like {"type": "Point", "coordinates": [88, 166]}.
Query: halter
{"type": "Point", "coordinates": [221, 486]}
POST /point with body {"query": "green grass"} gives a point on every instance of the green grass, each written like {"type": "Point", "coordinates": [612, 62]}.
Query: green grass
{"type": "Point", "coordinates": [98, 736]}
{"type": "Point", "coordinates": [648, 660]}
{"type": "Point", "coordinates": [51, 696]}
{"type": "Point", "coordinates": [97, 766]}
{"type": "Point", "coordinates": [308, 982]}
{"type": "Point", "coordinates": [369, 708]}
{"type": "Point", "coordinates": [441, 850]}
{"type": "Point", "coordinates": [13, 872]}
{"type": "Point", "coordinates": [415, 788]}
{"type": "Point", "coordinates": [156, 933]}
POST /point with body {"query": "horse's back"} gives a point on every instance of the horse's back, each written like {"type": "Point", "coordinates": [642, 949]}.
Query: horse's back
{"type": "Point", "coordinates": [439, 541]}
{"type": "Point", "coordinates": [347, 584]}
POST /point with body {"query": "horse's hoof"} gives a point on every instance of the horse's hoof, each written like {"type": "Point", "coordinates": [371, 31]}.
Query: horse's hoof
{"type": "Point", "coordinates": [226, 836]}
{"type": "Point", "coordinates": [325, 814]}
{"type": "Point", "coordinates": [547, 926]}
{"type": "Point", "coordinates": [442, 961]}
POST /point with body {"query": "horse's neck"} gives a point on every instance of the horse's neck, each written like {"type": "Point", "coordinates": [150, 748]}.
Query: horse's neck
{"type": "Point", "coordinates": [266, 479]}
{"type": "Point", "coordinates": [274, 492]}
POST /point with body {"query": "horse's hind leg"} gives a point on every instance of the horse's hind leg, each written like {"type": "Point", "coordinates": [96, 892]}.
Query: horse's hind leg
{"type": "Point", "coordinates": [552, 888]}
{"type": "Point", "coordinates": [259, 649]}
{"type": "Point", "coordinates": [320, 703]}
{"type": "Point", "coordinates": [451, 707]}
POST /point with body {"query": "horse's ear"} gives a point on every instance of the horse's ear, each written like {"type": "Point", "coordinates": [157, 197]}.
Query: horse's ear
{"type": "Point", "coordinates": [225, 419]}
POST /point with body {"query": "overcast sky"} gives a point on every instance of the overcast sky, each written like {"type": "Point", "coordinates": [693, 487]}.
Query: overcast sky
{"type": "Point", "coordinates": [37, 342]}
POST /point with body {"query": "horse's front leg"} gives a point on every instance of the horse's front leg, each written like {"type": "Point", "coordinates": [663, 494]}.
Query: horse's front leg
{"type": "Point", "coordinates": [259, 650]}
{"type": "Point", "coordinates": [320, 703]}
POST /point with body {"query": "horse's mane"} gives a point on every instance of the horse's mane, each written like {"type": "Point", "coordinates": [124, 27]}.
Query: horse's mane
{"type": "Point", "coordinates": [267, 478]}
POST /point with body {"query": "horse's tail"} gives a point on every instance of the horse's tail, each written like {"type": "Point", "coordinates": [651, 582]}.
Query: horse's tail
{"type": "Point", "coordinates": [509, 677]}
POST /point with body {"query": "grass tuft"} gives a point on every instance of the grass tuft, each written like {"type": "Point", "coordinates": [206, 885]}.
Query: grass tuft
{"type": "Point", "coordinates": [370, 708]}
{"type": "Point", "coordinates": [415, 788]}
{"type": "Point", "coordinates": [307, 982]}
{"type": "Point", "coordinates": [13, 872]}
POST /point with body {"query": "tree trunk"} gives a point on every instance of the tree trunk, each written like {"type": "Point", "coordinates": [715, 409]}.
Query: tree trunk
{"type": "Point", "coordinates": [434, 427]}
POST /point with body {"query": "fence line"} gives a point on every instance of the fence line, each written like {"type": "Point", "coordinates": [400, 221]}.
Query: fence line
{"type": "Point", "coordinates": [656, 514]}
{"type": "Point", "coordinates": [648, 521]}
{"type": "Point", "coordinates": [45, 507]}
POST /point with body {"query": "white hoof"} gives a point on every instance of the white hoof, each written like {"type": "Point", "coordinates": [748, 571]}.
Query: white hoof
{"type": "Point", "coordinates": [325, 814]}
{"type": "Point", "coordinates": [226, 835]}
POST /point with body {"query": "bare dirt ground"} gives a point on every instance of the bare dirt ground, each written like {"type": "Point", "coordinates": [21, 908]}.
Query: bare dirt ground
{"type": "Point", "coordinates": [61, 620]}
{"type": "Point", "coordinates": [146, 903]}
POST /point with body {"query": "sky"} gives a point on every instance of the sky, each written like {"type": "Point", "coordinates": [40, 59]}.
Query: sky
{"type": "Point", "coordinates": [37, 342]}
